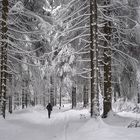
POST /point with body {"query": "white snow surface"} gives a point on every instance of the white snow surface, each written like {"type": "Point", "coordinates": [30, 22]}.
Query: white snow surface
{"type": "Point", "coordinates": [67, 124]}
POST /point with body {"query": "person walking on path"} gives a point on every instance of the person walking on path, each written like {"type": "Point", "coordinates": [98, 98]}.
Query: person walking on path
{"type": "Point", "coordinates": [49, 108]}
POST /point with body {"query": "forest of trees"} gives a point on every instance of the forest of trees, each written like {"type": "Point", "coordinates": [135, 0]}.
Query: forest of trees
{"type": "Point", "coordinates": [76, 51]}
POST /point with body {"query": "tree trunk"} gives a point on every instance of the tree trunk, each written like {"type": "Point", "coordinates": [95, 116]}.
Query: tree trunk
{"type": "Point", "coordinates": [35, 99]}
{"type": "Point", "coordinates": [138, 98]}
{"type": "Point", "coordinates": [73, 97]}
{"type": "Point", "coordinates": [23, 99]}
{"type": "Point", "coordinates": [94, 58]}
{"type": "Point", "coordinates": [85, 96]}
{"type": "Point", "coordinates": [52, 96]}
{"type": "Point", "coordinates": [4, 45]}
{"type": "Point", "coordinates": [10, 104]}
{"type": "Point", "coordinates": [26, 100]}
{"type": "Point", "coordinates": [60, 95]}
{"type": "Point", "coordinates": [10, 92]}
{"type": "Point", "coordinates": [52, 91]}
{"type": "Point", "coordinates": [55, 91]}
{"type": "Point", "coordinates": [107, 64]}
{"type": "Point", "coordinates": [44, 101]}
{"type": "Point", "coordinates": [116, 91]}
{"type": "Point", "coordinates": [55, 96]}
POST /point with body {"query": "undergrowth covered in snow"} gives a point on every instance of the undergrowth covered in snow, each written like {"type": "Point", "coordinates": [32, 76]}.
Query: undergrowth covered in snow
{"type": "Point", "coordinates": [124, 105]}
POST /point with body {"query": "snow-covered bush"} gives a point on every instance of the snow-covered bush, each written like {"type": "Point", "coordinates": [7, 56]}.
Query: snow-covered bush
{"type": "Point", "coordinates": [123, 105]}
{"type": "Point", "coordinates": [134, 123]}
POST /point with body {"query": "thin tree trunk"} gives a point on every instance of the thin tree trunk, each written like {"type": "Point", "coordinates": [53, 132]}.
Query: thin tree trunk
{"type": "Point", "coordinates": [26, 100]}
{"type": "Point", "coordinates": [35, 100]}
{"type": "Point", "coordinates": [15, 100]}
{"type": "Point", "coordinates": [10, 92]}
{"type": "Point", "coordinates": [52, 91]}
{"type": "Point", "coordinates": [52, 97]}
{"type": "Point", "coordinates": [91, 56]}
{"type": "Point", "coordinates": [23, 99]}
{"type": "Point", "coordinates": [73, 97]}
{"type": "Point", "coordinates": [96, 68]}
{"type": "Point", "coordinates": [4, 45]}
{"type": "Point", "coordinates": [60, 95]}
{"type": "Point", "coordinates": [138, 97]}
{"type": "Point", "coordinates": [55, 90]}
{"type": "Point", "coordinates": [10, 104]}
{"type": "Point", "coordinates": [55, 96]}
{"type": "Point", "coordinates": [85, 96]}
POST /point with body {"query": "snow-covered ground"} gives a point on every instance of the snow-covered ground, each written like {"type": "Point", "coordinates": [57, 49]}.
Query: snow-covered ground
{"type": "Point", "coordinates": [66, 124]}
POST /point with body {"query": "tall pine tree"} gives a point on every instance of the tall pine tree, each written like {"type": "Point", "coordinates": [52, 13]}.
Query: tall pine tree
{"type": "Point", "coordinates": [4, 45]}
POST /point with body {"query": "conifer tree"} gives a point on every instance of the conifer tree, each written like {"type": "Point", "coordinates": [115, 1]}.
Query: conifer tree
{"type": "Point", "coordinates": [4, 45]}
{"type": "Point", "coordinates": [94, 58]}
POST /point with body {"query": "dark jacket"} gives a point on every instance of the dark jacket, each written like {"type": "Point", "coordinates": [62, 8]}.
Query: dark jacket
{"type": "Point", "coordinates": [49, 107]}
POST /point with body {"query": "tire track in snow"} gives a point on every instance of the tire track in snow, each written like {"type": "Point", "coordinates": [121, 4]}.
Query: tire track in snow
{"type": "Point", "coordinates": [66, 126]}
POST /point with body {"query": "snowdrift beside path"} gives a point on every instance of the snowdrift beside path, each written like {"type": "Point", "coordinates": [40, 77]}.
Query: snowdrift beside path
{"type": "Point", "coordinates": [65, 124]}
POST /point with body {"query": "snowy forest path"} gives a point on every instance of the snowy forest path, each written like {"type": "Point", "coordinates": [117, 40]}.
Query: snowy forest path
{"type": "Point", "coordinates": [33, 124]}
{"type": "Point", "coordinates": [65, 124]}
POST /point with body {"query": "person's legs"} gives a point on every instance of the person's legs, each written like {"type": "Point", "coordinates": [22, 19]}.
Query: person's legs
{"type": "Point", "coordinates": [49, 113]}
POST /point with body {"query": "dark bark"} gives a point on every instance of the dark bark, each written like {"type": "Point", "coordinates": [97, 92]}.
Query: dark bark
{"type": "Point", "coordinates": [10, 104]}
{"type": "Point", "coordinates": [26, 100]}
{"type": "Point", "coordinates": [138, 98]}
{"type": "Point", "coordinates": [93, 57]}
{"type": "Point", "coordinates": [55, 98]}
{"type": "Point", "coordinates": [85, 96]}
{"type": "Point", "coordinates": [23, 99]}
{"type": "Point", "coordinates": [44, 101]}
{"type": "Point", "coordinates": [73, 97]}
{"type": "Point", "coordinates": [52, 91]}
{"type": "Point", "coordinates": [107, 64]}
{"type": "Point", "coordinates": [52, 96]}
{"type": "Point", "coordinates": [35, 100]}
{"type": "Point", "coordinates": [4, 45]}
{"type": "Point", "coordinates": [60, 95]}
